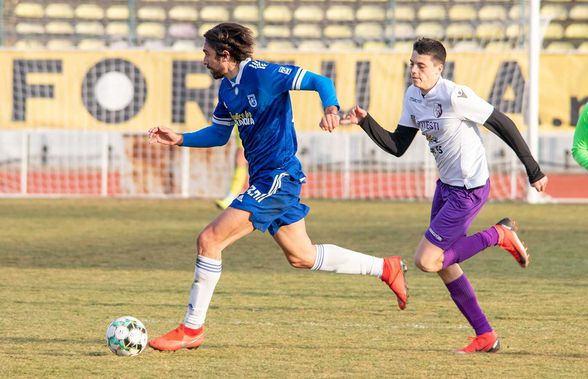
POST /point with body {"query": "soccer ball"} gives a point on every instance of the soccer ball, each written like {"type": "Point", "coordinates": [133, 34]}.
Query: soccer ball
{"type": "Point", "coordinates": [126, 336]}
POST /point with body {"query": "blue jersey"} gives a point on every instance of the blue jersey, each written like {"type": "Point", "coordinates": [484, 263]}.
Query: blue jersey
{"type": "Point", "coordinates": [258, 103]}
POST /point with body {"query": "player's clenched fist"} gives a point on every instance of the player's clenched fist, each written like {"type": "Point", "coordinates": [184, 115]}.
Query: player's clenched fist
{"type": "Point", "coordinates": [330, 120]}
{"type": "Point", "coordinates": [164, 136]}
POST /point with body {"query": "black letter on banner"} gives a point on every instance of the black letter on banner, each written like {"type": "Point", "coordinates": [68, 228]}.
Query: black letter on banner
{"type": "Point", "coordinates": [206, 98]}
{"type": "Point", "coordinates": [329, 69]}
{"type": "Point", "coordinates": [575, 106]}
{"type": "Point", "coordinates": [362, 80]}
{"type": "Point", "coordinates": [362, 83]}
{"type": "Point", "coordinates": [139, 91]}
{"type": "Point", "coordinates": [509, 74]}
{"type": "Point", "coordinates": [448, 73]}
{"type": "Point", "coordinates": [21, 90]}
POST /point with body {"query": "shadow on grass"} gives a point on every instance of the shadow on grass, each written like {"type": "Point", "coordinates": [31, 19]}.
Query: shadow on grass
{"type": "Point", "coordinates": [62, 341]}
{"type": "Point", "coordinates": [543, 354]}
{"type": "Point", "coordinates": [279, 346]}
{"type": "Point", "coordinates": [272, 346]}
{"type": "Point", "coordinates": [98, 353]}
{"type": "Point", "coordinates": [445, 351]}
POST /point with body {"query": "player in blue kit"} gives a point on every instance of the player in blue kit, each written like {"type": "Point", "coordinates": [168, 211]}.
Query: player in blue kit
{"type": "Point", "coordinates": [254, 96]}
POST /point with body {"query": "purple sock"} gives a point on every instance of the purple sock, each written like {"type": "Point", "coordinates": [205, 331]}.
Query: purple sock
{"type": "Point", "coordinates": [464, 297]}
{"type": "Point", "coordinates": [466, 247]}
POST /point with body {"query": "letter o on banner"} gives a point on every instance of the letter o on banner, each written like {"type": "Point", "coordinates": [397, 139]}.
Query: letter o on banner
{"type": "Point", "coordinates": [114, 91]}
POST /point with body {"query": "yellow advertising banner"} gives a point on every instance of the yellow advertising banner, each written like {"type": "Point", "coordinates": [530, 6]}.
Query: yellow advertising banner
{"type": "Point", "coordinates": [135, 90]}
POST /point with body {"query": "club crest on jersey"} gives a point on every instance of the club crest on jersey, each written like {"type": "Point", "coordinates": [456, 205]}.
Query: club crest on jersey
{"type": "Point", "coordinates": [438, 110]}
{"type": "Point", "coordinates": [252, 100]}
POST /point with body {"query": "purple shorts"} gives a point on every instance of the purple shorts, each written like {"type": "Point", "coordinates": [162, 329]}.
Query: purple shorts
{"type": "Point", "coordinates": [452, 212]}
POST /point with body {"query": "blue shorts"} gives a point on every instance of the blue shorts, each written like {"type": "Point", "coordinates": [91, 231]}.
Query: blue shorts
{"type": "Point", "coordinates": [273, 200]}
{"type": "Point", "coordinates": [452, 212]}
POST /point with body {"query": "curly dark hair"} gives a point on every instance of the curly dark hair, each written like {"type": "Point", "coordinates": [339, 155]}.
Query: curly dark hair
{"type": "Point", "coordinates": [432, 47]}
{"type": "Point", "coordinates": [235, 38]}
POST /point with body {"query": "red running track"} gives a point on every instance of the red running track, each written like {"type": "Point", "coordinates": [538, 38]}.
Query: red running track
{"type": "Point", "coordinates": [319, 185]}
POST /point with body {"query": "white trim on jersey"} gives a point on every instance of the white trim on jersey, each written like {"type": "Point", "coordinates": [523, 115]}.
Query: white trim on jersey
{"type": "Point", "coordinates": [242, 65]}
{"type": "Point", "coordinates": [298, 78]}
{"type": "Point", "coordinates": [258, 65]}
{"type": "Point", "coordinates": [223, 121]}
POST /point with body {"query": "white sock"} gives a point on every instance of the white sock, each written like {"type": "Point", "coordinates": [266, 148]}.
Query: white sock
{"type": "Point", "coordinates": [206, 276]}
{"type": "Point", "coordinates": [333, 258]}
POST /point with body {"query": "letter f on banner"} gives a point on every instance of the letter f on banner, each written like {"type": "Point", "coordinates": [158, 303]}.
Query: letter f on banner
{"type": "Point", "coordinates": [21, 91]}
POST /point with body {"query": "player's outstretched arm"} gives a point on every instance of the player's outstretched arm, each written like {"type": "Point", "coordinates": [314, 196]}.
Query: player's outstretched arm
{"type": "Point", "coordinates": [395, 143]}
{"type": "Point", "coordinates": [164, 136]}
{"type": "Point", "coordinates": [214, 135]}
{"type": "Point", "coordinates": [501, 125]}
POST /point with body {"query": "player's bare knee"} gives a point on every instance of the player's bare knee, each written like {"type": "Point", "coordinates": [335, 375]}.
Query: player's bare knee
{"type": "Point", "coordinates": [426, 265]}
{"type": "Point", "coordinates": [205, 241]}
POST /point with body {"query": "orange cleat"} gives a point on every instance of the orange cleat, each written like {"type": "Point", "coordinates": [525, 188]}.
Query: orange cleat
{"type": "Point", "coordinates": [509, 241]}
{"type": "Point", "coordinates": [393, 276]}
{"type": "Point", "coordinates": [178, 339]}
{"type": "Point", "coordinates": [484, 343]}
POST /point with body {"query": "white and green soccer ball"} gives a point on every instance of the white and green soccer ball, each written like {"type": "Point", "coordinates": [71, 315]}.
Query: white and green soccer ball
{"type": "Point", "coordinates": [126, 336]}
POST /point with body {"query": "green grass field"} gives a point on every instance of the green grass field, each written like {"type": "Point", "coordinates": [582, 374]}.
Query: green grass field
{"type": "Point", "coordinates": [68, 267]}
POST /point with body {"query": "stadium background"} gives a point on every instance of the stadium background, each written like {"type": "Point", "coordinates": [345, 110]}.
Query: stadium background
{"type": "Point", "coordinates": [82, 81]}
{"type": "Point", "coordinates": [71, 265]}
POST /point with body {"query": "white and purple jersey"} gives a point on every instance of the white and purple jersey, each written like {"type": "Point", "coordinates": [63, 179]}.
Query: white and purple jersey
{"type": "Point", "coordinates": [448, 116]}
{"type": "Point", "coordinates": [258, 103]}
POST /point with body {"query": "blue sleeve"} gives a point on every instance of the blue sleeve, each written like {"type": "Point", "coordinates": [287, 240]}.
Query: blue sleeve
{"type": "Point", "coordinates": [277, 79]}
{"type": "Point", "coordinates": [214, 135]}
{"type": "Point", "coordinates": [221, 115]}
{"type": "Point", "coordinates": [321, 84]}
{"type": "Point", "coordinates": [217, 134]}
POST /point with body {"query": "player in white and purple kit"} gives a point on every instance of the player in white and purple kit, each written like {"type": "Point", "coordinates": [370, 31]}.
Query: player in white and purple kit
{"type": "Point", "coordinates": [254, 96]}
{"type": "Point", "coordinates": [447, 115]}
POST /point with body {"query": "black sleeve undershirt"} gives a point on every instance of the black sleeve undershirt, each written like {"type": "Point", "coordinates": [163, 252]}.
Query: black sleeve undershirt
{"type": "Point", "coordinates": [501, 125]}
{"type": "Point", "coordinates": [395, 142]}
